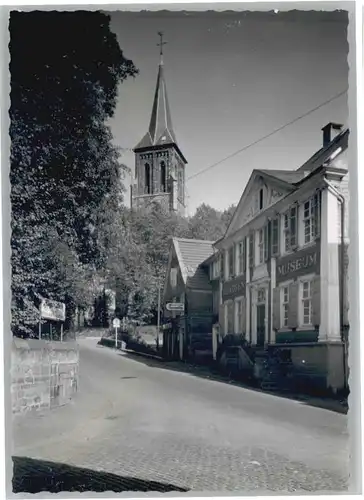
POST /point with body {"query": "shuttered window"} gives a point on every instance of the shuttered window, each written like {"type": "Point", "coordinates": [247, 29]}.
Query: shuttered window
{"type": "Point", "coordinates": [275, 236]}
{"type": "Point", "coordinates": [260, 246]}
{"type": "Point", "coordinates": [311, 219]}
{"type": "Point", "coordinates": [222, 267]}
{"type": "Point", "coordinates": [251, 249]}
{"type": "Point", "coordinates": [241, 257]}
{"type": "Point", "coordinates": [306, 302]}
{"type": "Point", "coordinates": [231, 261]}
{"type": "Point", "coordinates": [265, 243]}
{"type": "Point", "coordinates": [285, 305]}
{"type": "Point", "coordinates": [290, 228]}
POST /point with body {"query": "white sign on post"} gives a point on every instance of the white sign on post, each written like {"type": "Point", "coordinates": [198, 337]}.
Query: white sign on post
{"type": "Point", "coordinates": [175, 306]}
{"type": "Point", "coordinates": [116, 325]}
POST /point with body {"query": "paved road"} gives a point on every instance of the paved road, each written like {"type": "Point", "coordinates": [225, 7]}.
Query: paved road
{"type": "Point", "coordinates": [138, 418]}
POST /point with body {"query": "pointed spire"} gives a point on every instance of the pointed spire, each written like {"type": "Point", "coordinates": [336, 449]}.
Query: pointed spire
{"type": "Point", "coordinates": [160, 126]}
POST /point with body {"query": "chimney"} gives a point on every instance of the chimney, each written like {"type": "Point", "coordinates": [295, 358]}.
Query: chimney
{"type": "Point", "coordinates": [329, 132]}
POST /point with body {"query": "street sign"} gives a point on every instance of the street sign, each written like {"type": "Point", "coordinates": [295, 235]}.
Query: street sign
{"type": "Point", "coordinates": [175, 306]}
{"type": "Point", "coordinates": [116, 323]}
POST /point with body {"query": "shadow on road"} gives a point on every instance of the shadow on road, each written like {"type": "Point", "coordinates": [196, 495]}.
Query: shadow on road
{"type": "Point", "coordinates": [33, 476]}
{"type": "Point", "coordinates": [208, 373]}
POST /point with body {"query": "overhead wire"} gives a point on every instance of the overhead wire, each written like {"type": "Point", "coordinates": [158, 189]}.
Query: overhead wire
{"type": "Point", "coordinates": [266, 136]}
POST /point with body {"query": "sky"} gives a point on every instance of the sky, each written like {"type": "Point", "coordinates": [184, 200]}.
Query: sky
{"type": "Point", "coordinates": [232, 78]}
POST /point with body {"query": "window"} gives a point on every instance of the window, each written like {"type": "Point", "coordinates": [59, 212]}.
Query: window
{"type": "Point", "coordinates": [251, 250]}
{"type": "Point", "coordinates": [147, 178]}
{"type": "Point", "coordinates": [173, 277]}
{"type": "Point", "coordinates": [231, 261]}
{"type": "Point", "coordinates": [242, 257]}
{"type": "Point", "coordinates": [215, 269]}
{"type": "Point", "coordinates": [275, 236]}
{"type": "Point", "coordinates": [230, 316]}
{"type": "Point", "coordinates": [261, 199]}
{"type": "Point", "coordinates": [306, 303]}
{"type": "Point", "coordinates": [222, 267]}
{"type": "Point", "coordinates": [163, 177]}
{"type": "Point", "coordinates": [240, 327]}
{"type": "Point", "coordinates": [261, 296]}
{"type": "Point", "coordinates": [311, 219]}
{"type": "Point", "coordinates": [285, 304]}
{"type": "Point", "coordinates": [290, 229]}
{"type": "Point", "coordinates": [260, 246]}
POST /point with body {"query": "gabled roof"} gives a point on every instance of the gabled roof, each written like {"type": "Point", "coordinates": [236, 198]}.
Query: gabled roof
{"type": "Point", "coordinates": [281, 179]}
{"type": "Point", "coordinates": [191, 254]}
{"type": "Point", "coordinates": [285, 175]}
{"type": "Point", "coordinates": [160, 131]}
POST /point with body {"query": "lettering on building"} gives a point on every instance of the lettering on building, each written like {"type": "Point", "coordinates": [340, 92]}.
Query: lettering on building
{"type": "Point", "coordinates": [233, 288]}
{"type": "Point", "coordinates": [303, 262]}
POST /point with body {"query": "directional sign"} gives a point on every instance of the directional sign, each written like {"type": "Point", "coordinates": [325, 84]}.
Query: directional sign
{"type": "Point", "coordinates": [175, 306]}
{"type": "Point", "coordinates": [116, 323]}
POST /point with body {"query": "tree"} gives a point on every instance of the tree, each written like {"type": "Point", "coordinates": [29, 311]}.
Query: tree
{"type": "Point", "coordinates": [65, 69]}
{"type": "Point", "coordinates": [210, 224]}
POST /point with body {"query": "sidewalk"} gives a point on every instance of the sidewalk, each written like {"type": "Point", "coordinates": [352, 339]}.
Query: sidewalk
{"type": "Point", "coordinates": [209, 373]}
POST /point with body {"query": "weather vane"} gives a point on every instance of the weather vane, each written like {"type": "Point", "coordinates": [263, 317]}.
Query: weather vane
{"type": "Point", "coordinates": [160, 44]}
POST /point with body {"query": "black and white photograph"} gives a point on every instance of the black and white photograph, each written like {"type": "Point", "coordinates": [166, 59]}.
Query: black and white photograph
{"type": "Point", "coordinates": [180, 219]}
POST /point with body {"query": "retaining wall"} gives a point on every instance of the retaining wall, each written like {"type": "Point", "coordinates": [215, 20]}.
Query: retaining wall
{"type": "Point", "coordinates": [43, 374]}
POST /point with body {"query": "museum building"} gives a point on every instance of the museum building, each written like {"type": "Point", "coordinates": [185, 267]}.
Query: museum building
{"type": "Point", "coordinates": [282, 264]}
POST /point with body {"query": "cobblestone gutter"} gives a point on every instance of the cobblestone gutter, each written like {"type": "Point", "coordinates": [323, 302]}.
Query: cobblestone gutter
{"type": "Point", "coordinates": [43, 374]}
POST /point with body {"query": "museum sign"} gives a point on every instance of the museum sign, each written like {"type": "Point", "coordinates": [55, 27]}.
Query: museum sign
{"type": "Point", "coordinates": [298, 264]}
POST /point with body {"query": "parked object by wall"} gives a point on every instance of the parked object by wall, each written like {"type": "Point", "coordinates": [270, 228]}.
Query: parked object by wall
{"type": "Point", "coordinates": [43, 374]}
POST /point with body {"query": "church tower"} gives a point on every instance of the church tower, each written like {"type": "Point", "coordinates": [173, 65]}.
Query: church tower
{"type": "Point", "coordinates": [159, 163]}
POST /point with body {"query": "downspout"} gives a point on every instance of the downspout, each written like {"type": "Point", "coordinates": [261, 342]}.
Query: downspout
{"type": "Point", "coordinates": [341, 200]}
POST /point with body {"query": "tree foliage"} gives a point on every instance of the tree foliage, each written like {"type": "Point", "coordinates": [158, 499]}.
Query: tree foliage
{"type": "Point", "coordinates": [65, 69]}
{"type": "Point", "coordinates": [136, 248]}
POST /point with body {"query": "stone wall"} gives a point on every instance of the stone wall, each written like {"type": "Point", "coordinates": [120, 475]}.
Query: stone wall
{"type": "Point", "coordinates": [43, 374]}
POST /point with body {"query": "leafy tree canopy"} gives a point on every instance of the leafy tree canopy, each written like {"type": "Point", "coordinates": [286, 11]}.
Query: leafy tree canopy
{"type": "Point", "coordinates": [65, 69]}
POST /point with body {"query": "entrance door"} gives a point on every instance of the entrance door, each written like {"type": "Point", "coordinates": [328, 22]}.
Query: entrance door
{"type": "Point", "coordinates": [260, 324]}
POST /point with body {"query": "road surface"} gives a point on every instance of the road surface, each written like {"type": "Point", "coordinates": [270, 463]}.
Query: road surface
{"type": "Point", "coordinates": [136, 417]}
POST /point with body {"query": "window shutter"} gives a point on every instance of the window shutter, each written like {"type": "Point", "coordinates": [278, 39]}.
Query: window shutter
{"type": "Point", "coordinates": [244, 252]}
{"type": "Point", "coordinates": [222, 267]}
{"type": "Point", "coordinates": [243, 316]}
{"type": "Point", "coordinates": [251, 249]}
{"type": "Point", "coordinates": [293, 225]}
{"type": "Point", "coordinates": [316, 212]}
{"type": "Point", "coordinates": [276, 308]}
{"type": "Point", "coordinates": [293, 305]}
{"type": "Point", "coordinates": [315, 301]}
{"type": "Point", "coordinates": [275, 237]}
{"type": "Point", "coordinates": [266, 242]}
{"type": "Point", "coordinates": [222, 318]}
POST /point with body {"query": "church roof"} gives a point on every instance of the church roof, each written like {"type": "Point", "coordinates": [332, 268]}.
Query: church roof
{"type": "Point", "coordinates": [160, 127]}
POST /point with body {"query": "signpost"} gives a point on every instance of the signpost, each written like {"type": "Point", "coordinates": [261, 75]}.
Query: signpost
{"type": "Point", "coordinates": [116, 325]}
{"type": "Point", "coordinates": [175, 306]}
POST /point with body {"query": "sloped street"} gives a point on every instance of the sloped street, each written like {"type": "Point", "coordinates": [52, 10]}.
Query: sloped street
{"type": "Point", "coordinates": [136, 418]}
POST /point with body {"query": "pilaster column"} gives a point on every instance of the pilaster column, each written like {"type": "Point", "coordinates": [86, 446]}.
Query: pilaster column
{"type": "Point", "coordinates": [329, 269]}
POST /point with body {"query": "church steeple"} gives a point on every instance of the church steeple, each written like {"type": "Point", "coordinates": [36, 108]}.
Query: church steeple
{"type": "Point", "coordinates": [159, 163]}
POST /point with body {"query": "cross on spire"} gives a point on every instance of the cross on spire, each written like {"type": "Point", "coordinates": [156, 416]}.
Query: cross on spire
{"type": "Point", "coordinates": [160, 44]}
